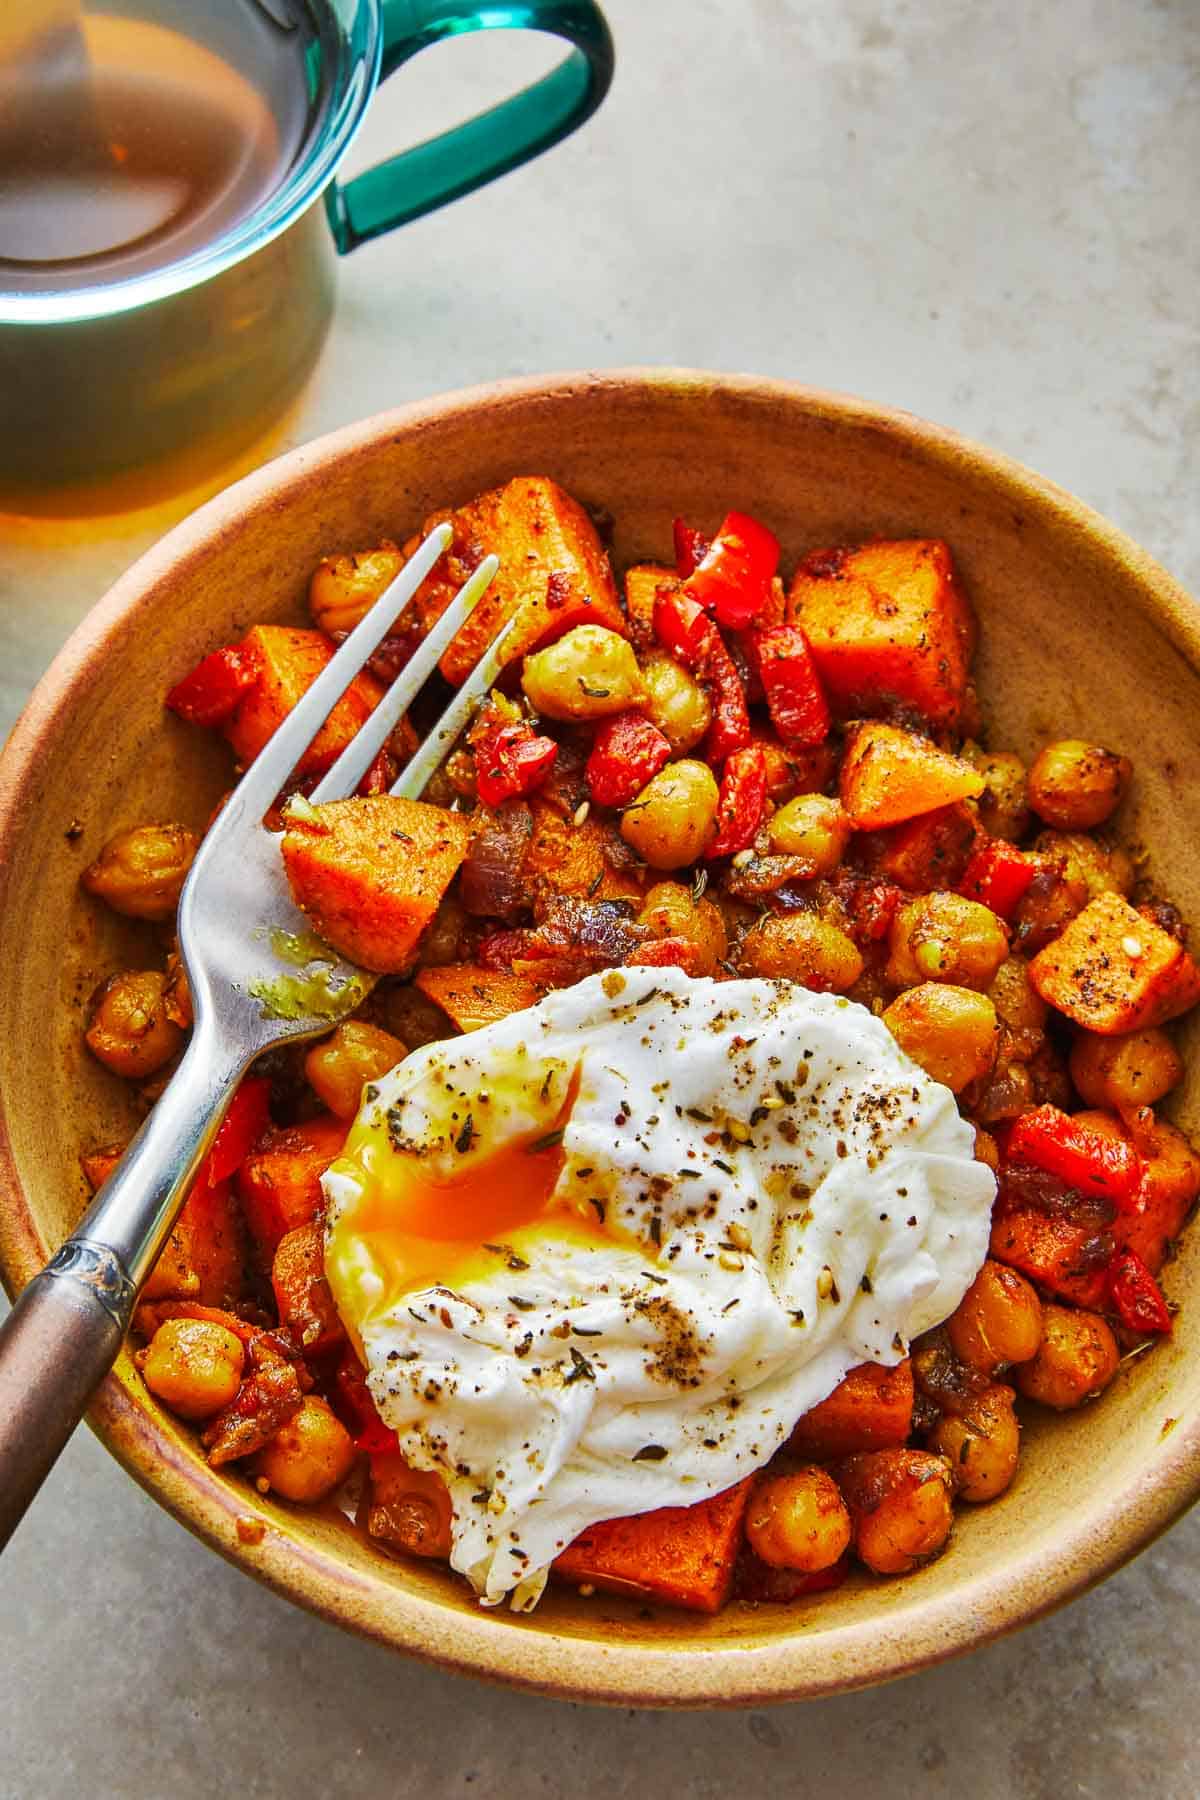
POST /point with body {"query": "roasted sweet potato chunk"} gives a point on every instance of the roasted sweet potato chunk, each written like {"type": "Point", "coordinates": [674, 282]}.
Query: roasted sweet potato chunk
{"type": "Point", "coordinates": [279, 1184]}
{"type": "Point", "coordinates": [1113, 969]}
{"type": "Point", "coordinates": [684, 1555]}
{"type": "Point", "coordinates": [302, 1292]}
{"type": "Point", "coordinates": [870, 1410]}
{"type": "Point", "coordinates": [553, 573]}
{"type": "Point", "coordinates": [289, 660]}
{"type": "Point", "coordinates": [472, 996]}
{"type": "Point", "coordinates": [408, 1509]}
{"type": "Point", "coordinates": [370, 871]}
{"type": "Point", "coordinates": [889, 775]}
{"type": "Point", "coordinates": [203, 1259]}
{"type": "Point", "coordinates": [565, 858]}
{"type": "Point", "coordinates": [887, 624]}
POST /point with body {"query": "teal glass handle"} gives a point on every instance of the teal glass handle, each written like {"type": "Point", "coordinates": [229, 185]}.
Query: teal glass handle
{"type": "Point", "coordinates": [466, 157]}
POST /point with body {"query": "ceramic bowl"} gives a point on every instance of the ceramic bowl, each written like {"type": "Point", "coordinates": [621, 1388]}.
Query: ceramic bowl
{"type": "Point", "coordinates": [1082, 634]}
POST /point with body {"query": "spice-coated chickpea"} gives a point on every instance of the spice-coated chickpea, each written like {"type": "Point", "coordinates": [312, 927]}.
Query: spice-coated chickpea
{"type": "Point", "coordinates": [1019, 1006]}
{"type": "Point", "coordinates": [670, 911]}
{"type": "Point", "coordinates": [130, 1032]}
{"type": "Point", "coordinates": [997, 1321]}
{"type": "Point", "coordinates": [983, 1444]}
{"type": "Point", "coordinates": [1075, 785]}
{"type": "Point", "coordinates": [1004, 802]}
{"type": "Point", "coordinates": [194, 1366]}
{"type": "Point", "coordinates": [442, 939]}
{"type": "Point", "coordinates": [944, 937]}
{"type": "Point", "coordinates": [674, 701]}
{"type": "Point", "coordinates": [798, 1520]}
{"type": "Point", "coordinates": [339, 1067]}
{"type": "Point", "coordinates": [589, 673]}
{"type": "Point", "coordinates": [813, 826]}
{"type": "Point", "coordinates": [672, 819]}
{"type": "Point", "coordinates": [802, 947]}
{"type": "Point", "coordinates": [1077, 1359]}
{"type": "Point", "coordinates": [1125, 1072]}
{"type": "Point", "coordinates": [951, 1031]}
{"type": "Point", "coordinates": [343, 589]}
{"type": "Point", "coordinates": [900, 1504]}
{"type": "Point", "coordinates": [1101, 868]}
{"type": "Point", "coordinates": [140, 872]}
{"type": "Point", "coordinates": [309, 1456]}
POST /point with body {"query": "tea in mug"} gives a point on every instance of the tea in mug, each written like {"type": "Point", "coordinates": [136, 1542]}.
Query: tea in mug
{"type": "Point", "coordinates": [136, 133]}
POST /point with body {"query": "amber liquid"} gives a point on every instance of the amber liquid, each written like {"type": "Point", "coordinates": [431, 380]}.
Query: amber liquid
{"type": "Point", "coordinates": [134, 135]}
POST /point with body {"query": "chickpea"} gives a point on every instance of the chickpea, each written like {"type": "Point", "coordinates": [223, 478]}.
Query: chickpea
{"type": "Point", "coordinates": [798, 1521]}
{"type": "Point", "coordinates": [1019, 1006]}
{"type": "Point", "coordinates": [943, 937]}
{"type": "Point", "coordinates": [1123, 1073]}
{"type": "Point", "coordinates": [900, 1504]}
{"type": "Point", "coordinates": [343, 589]}
{"type": "Point", "coordinates": [670, 911]}
{"type": "Point", "coordinates": [982, 1444]}
{"type": "Point", "coordinates": [1075, 785]}
{"type": "Point", "coordinates": [1077, 1360]}
{"type": "Point", "coordinates": [339, 1067]}
{"type": "Point", "coordinates": [1004, 802]}
{"type": "Point", "coordinates": [804, 948]}
{"type": "Point", "coordinates": [130, 1032]}
{"type": "Point", "coordinates": [674, 701]}
{"type": "Point", "coordinates": [673, 817]}
{"type": "Point", "coordinates": [814, 826]}
{"type": "Point", "coordinates": [194, 1366]}
{"type": "Point", "coordinates": [441, 941]}
{"type": "Point", "coordinates": [411, 1016]}
{"type": "Point", "coordinates": [309, 1456]}
{"type": "Point", "coordinates": [589, 673]}
{"type": "Point", "coordinates": [952, 1032]}
{"type": "Point", "coordinates": [1101, 868]}
{"type": "Point", "coordinates": [997, 1321]}
{"type": "Point", "coordinates": [140, 872]}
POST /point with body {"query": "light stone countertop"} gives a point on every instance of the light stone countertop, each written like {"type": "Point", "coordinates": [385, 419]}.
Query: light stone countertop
{"type": "Point", "coordinates": [985, 213]}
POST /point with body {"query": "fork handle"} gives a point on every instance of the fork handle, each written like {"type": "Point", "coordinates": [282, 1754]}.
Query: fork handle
{"type": "Point", "coordinates": [66, 1327]}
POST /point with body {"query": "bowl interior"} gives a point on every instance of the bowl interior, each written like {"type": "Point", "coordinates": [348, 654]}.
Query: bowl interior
{"type": "Point", "coordinates": [1081, 635]}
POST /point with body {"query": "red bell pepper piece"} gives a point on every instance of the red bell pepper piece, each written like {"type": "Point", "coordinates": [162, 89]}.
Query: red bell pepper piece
{"type": "Point", "coordinates": [683, 628]}
{"type": "Point", "coordinates": [795, 697]}
{"type": "Point", "coordinates": [238, 1132]}
{"type": "Point", "coordinates": [1109, 1168]}
{"type": "Point", "coordinates": [1136, 1297]}
{"type": "Point", "coordinates": [733, 579]}
{"type": "Point", "coordinates": [511, 760]}
{"type": "Point", "coordinates": [997, 875]}
{"type": "Point", "coordinates": [741, 802]}
{"type": "Point", "coordinates": [627, 751]}
{"type": "Point", "coordinates": [730, 728]}
{"type": "Point", "coordinates": [377, 1439]}
{"type": "Point", "coordinates": [210, 694]}
{"type": "Point", "coordinates": [351, 1396]}
{"type": "Point", "coordinates": [668, 953]}
{"type": "Point", "coordinates": [691, 548]}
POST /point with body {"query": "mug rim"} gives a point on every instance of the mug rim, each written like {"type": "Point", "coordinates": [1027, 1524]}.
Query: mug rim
{"type": "Point", "coordinates": [303, 183]}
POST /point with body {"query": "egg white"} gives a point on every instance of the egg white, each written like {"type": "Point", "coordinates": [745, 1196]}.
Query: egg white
{"type": "Point", "coordinates": [756, 1191]}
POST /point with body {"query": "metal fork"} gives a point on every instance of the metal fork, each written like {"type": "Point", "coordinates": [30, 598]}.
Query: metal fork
{"type": "Point", "coordinates": [239, 933]}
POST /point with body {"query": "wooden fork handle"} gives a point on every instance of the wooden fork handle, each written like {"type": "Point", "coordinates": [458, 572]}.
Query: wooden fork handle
{"type": "Point", "coordinates": [56, 1347]}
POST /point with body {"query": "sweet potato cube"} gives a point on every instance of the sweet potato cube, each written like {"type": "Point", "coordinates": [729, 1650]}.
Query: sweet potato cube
{"type": "Point", "coordinates": [1169, 1187]}
{"type": "Point", "coordinates": [472, 996]}
{"type": "Point", "coordinates": [279, 1184]}
{"type": "Point", "coordinates": [870, 1410]}
{"type": "Point", "coordinates": [289, 661]}
{"type": "Point", "coordinates": [683, 1555]}
{"type": "Point", "coordinates": [1113, 969]}
{"type": "Point", "coordinates": [565, 858]}
{"type": "Point", "coordinates": [370, 871]}
{"type": "Point", "coordinates": [642, 583]}
{"type": "Point", "coordinates": [302, 1292]}
{"type": "Point", "coordinates": [889, 775]}
{"type": "Point", "coordinates": [553, 571]}
{"type": "Point", "coordinates": [887, 623]}
{"type": "Point", "coordinates": [204, 1257]}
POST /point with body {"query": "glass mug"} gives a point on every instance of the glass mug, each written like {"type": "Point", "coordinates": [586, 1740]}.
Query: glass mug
{"type": "Point", "coordinates": [112, 361]}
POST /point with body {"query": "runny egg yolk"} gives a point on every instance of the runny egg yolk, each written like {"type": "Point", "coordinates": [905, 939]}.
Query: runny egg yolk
{"type": "Point", "coordinates": [462, 1203]}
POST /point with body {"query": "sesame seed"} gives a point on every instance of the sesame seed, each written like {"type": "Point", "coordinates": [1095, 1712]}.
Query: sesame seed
{"type": "Point", "coordinates": [1131, 946]}
{"type": "Point", "coordinates": [825, 1283]}
{"type": "Point", "coordinates": [728, 1261]}
{"type": "Point", "coordinates": [581, 812]}
{"type": "Point", "coordinates": [738, 1132]}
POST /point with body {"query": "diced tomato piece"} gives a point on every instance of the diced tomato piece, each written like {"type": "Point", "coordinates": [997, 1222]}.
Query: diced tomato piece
{"type": "Point", "coordinates": [682, 627]}
{"type": "Point", "coordinates": [377, 1439]}
{"type": "Point", "coordinates": [511, 760]}
{"type": "Point", "coordinates": [248, 1117]}
{"type": "Point", "coordinates": [795, 698]}
{"type": "Point", "coordinates": [730, 728]}
{"type": "Point", "coordinates": [1136, 1297]}
{"type": "Point", "coordinates": [741, 802]}
{"type": "Point", "coordinates": [998, 875]}
{"type": "Point", "coordinates": [669, 953]}
{"type": "Point", "coordinates": [691, 548]}
{"type": "Point", "coordinates": [1108, 1167]}
{"type": "Point", "coordinates": [210, 694]}
{"type": "Point", "coordinates": [733, 580]}
{"type": "Point", "coordinates": [627, 751]}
